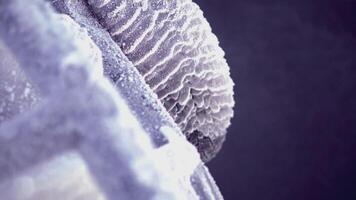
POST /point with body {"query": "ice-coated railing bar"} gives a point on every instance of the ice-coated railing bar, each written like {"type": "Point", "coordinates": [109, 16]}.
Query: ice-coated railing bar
{"type": "Point", "coordinates": [43, 45]}
{"type": "Point", "coordinates": [32, 48]}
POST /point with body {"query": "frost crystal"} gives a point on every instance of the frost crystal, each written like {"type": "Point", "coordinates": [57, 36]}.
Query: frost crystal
{"type": "Point", "coordinates": [82, 139]}
{"type": "Point", "coordinates": [172, 46]}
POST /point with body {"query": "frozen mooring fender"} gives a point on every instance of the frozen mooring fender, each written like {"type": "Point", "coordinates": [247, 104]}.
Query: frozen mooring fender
{"type": "Point", "coordinates": [84, 140]}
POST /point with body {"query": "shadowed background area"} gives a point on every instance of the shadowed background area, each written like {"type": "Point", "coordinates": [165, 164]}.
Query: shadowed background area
{"type": "Point", "coordinates": [293, 134]}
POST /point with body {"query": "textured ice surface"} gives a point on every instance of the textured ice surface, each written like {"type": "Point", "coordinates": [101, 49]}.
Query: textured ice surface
{"type": "Point", "coordinates": [16, 92]}
{"type": "Point", "coordinates": [82, 112]}
{"type": "Point", "coordinates": [172, 46]}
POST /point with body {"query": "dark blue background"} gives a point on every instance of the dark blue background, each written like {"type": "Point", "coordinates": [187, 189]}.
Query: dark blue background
{"type": "Point", "coordinates": [294, 65]}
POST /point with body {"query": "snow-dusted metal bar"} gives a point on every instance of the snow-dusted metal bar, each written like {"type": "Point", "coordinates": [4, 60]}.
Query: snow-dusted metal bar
{"type": "Point", "coordinates": [126, 78]}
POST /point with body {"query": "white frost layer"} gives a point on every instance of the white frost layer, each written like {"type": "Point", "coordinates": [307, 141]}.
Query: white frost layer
{"type": "Point", "coordinates": [180, 158]}
{"type": "Point", "coordinates": [65, 177]}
